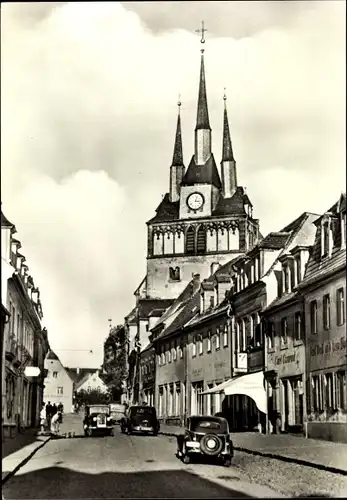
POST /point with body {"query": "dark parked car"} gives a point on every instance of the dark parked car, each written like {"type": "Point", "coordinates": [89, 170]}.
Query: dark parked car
{"type": "Point", "coordinates": [97, 418]}
{"type": "Point", "coordinates": [208, 436]}
{"type": "Point", "coordinates": [140, 419]}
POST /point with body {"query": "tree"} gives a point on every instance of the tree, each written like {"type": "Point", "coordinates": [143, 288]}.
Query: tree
{"type": "Point", "coordinates": [92, 397]}
{"type": "Point", "coordinates": [114, 367]}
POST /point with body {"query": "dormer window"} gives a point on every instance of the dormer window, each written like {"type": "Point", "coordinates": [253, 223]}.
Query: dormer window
{"type": "Point", "coordinates": [325, 236]}
{"type": "Point", "coordinates": [297, 267]}
{"type": "Point", "coordinates": [216, 294]}
{"type": "Point", "coordinates": [202, 302]}
{"type": "Point", "coordinates": [252, 270]}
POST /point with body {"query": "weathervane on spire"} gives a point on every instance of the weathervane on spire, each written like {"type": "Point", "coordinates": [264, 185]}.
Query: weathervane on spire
{"type": "Point", "coordinates": [202, 31]}
{"type": "Point", "coordinates": [225, 97]}
{"type": "Point", "coordinates": [179, 104]}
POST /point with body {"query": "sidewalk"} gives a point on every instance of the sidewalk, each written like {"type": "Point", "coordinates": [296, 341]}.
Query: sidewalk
{"type": "Point", "coordinates": [310, 452]}
{"type": "Point", "coordinates": [17, 451]}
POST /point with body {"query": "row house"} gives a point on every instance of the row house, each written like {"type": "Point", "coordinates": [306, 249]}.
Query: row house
{"type": "Point", "coordinates": [25, 341]}
{"type": "Point", "coordinates": [258, 282]}
{"type": "Point", "coordinates": [138, 324]}
{"type": "Point", "coordinates": [170, 344]}
{"type": "Point", "coordinates": [324, 290]}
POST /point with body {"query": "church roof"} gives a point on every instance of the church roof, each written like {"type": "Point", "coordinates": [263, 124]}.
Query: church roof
{"type": "Point", "coordinates": [83, 373]}
{"type": "Point", "coordinates": [227, 150]}
{"type": "Point", "coordinates": [5, 222]}
{"type": "Point", "coordinates": [202, 174]}
{"type": "Point", "coordinates": [202, 118]}
{"type": "Point", "coordinates": [177, 159]}
{"type": "Point", "coordinates": [166, 211]}
{"type": "Point", "coordinates": [232, 205]}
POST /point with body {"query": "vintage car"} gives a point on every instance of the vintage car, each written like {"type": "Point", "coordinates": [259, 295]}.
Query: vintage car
{"type": "Point", "coordinates": [117, 412]}
{"type": "Point", "coordinates": [208, 436]}
{"type": "Point", "coordinates": [97, 419]}
{"type": "Point", "coordinates": [140, 419]}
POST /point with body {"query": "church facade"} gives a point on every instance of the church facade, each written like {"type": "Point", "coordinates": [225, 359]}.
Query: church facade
{"type": "Point", "coordinates": [205, 218]}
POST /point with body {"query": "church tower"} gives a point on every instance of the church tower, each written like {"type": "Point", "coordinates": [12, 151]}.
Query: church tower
{"type": "Point", "coordinates": [204, 219]}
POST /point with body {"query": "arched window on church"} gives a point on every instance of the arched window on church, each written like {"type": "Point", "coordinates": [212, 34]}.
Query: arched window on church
{"type": "Point", "coordinates": [201, 240]}
{"type": "Point", "coordinates": [190, 241]}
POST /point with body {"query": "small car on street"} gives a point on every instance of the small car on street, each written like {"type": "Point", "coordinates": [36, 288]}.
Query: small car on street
{"type": "Point", "coordinates": [97, 419]}
{"type": "Point", "coordinates": [140, 419]}
{"type": "Point", "coordinates": [117, 412]}
{"type": "Point", "coordinates": [208, 436]}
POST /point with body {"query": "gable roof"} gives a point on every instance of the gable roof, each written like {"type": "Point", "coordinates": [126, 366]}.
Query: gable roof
{"type": "Point", "coordinates": [77, 377]}
{"type": "Point", "coordinates": [52, 356]}
{"type": "Point", "coordinates": [177, 306]}
{"type": "Point", "coordinates": [202, 174]}
{"type": "Point", "coordinates": [148, 306]}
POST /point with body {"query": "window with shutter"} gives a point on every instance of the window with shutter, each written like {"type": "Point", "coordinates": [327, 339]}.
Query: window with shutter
{"type": "Point", "coordinates": [190, 241]}
{"type": "Point", "coordinates": [201, 240]}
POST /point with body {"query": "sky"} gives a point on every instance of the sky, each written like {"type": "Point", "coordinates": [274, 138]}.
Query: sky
{"type": "Point", "coordinates": [89, 97]}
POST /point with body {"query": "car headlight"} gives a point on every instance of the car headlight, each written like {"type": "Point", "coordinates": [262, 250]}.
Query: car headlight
{"type": "Point", "coordinates": [94, 418]}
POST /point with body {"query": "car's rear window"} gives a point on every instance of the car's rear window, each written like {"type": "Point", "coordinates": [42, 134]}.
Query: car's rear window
{"type": "Point", "coordinates": [199, 425]}
{"type": "Point", "coordinates": [142, 411]}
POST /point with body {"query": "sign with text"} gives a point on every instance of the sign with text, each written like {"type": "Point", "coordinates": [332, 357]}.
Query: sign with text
{"type": "Point", "coordinates": [32, 371]}
{"type": "Point", "coordinates": [328, 347]}
{"type": "Point", "coordinates": [241, 360]}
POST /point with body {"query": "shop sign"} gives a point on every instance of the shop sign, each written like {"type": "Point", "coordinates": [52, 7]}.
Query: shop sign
{"type": "Point", "coordinates": [328, 347]}
{"type": "Point", "coordinates": [196, 372]}
{"type": "Point", "coordinates": [32, 371]}
{"type": "Point", "coordinates": [284, 359]}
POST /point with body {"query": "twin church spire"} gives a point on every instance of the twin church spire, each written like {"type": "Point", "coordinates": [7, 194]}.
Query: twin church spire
{"type": "Point", "coordinates": [203, 157]}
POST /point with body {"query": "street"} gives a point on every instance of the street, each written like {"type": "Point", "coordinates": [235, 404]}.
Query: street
{"type": "Point", "coordinates": [123, 467]}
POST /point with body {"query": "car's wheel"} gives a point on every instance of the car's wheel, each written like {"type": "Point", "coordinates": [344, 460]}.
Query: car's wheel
{"type": "Point", "coordinates": [227, 462]}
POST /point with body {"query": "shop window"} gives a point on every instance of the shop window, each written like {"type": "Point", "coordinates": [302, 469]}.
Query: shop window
{"type": "Point", "coordinates": [326, 312]}
{"type": "Point", "coordinates": [298, 326]}
{"type": "Point", "coordinates": [194, 347]}
{"type": "Point", "coordinates": [217, 339]}
{"type": "Point", "coordinates": [316, 393]}
{"type": "Point", "coordinates": [329, 391]}
{"type": "Point", "coordinates": [209, 342]}
{"type": "Point", "coordinates": [284, 331]}
{"type": "Point", "coordinates": [225, 336]}
{"type": "Point", "coordinates": [340, 307]}
{"type": "Point", "coordinates": [161, 401]}
{"type": "Point", "coordinates": [340, 385]}
{"type": "Point", "coordinates": [313, 316]}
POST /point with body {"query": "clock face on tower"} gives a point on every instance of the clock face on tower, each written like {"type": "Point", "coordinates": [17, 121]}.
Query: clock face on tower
{"type": "Point", "coordinates": [195, 201]}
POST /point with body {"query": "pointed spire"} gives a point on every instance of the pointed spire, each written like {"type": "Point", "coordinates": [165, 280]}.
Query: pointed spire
{"type": "Point", "coordinates": [227, 153]}
{"type": "Point", "coordinates": [178, 150]}
{"type": "Point", "coordinates": [202, 119]}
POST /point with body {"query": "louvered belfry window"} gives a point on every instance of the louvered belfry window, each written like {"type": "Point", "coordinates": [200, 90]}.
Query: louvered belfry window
{"type": "Point", "coordinates": [201, 240]}
{"type": "Point", "coordinates": [190, 241]}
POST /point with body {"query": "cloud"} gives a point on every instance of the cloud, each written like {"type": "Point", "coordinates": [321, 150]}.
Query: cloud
{"type": "Point", "coordinates": [89, 94]}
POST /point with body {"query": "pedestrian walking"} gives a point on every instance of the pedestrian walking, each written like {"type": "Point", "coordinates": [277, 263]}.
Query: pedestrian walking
{"type": "Point", "coordinates": [43, 420]}
{"type": "Point", "coordinates": [49, 414]}
{"type": "Point", "coordinates": [55, 423]}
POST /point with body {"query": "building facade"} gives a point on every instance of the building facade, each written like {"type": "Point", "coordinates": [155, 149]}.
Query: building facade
{"type": "Point", "coordinates": [58, 383]}
{"type": "Point", "coordinates": [91, 382]}
{"type": "Point", "coordinates": [324, 289]}
{"type": "Point", "coordinates": [24, 337]}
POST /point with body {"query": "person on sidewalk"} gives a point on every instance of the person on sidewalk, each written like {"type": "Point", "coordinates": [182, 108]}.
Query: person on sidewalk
{"type": "Point", "coordinates": [48, 414]}
{"type": "Point", "coordinates": [43, 420]}
{"type": "Point", "coordinates": [55, 423]}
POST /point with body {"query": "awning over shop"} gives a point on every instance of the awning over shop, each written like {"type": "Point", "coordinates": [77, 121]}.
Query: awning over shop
{"type": "Point", "coordinates": [251, 385]}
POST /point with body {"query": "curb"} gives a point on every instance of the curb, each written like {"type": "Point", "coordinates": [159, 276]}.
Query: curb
{"type": "Point", "coordinates": [24, 461]}
{"type": "Point", "coordinates": [283, 458]}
